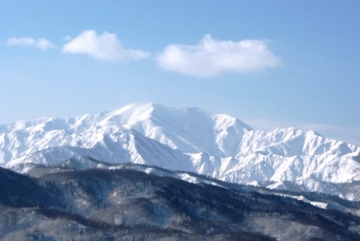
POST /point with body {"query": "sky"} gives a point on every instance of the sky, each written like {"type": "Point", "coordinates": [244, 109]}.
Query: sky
{"type": "Point", "coordinates": [268, 63]}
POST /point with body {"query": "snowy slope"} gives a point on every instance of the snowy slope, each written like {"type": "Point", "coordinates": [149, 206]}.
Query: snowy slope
{"type": "Point", "coordinates": [188, 140]}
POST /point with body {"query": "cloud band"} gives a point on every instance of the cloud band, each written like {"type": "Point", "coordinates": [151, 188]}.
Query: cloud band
{"type": "Point", "coordinates": [40, 43]}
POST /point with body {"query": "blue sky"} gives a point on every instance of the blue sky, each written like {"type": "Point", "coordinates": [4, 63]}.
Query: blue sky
{"type": "Point", "coordinates": [268, 63]}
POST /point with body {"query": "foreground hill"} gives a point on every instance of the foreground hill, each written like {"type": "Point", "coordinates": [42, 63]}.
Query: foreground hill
{"type": "Point", "coordinates": [132, 202]}
{"type": "Point", "coordinates": [192, 140]}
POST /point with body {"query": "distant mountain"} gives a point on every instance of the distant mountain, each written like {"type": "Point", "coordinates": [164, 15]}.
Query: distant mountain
{"type": "Point", "coordinates": [138, 202]}
{"type": "Point", "coordinates": [191, 140]}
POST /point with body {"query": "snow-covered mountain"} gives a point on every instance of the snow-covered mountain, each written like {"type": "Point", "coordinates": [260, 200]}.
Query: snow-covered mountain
{"type": "Point", "coordinates": [191, 140]}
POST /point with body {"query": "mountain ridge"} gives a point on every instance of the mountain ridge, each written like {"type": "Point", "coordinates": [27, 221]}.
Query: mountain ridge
{"type": "Point", "coordinates": [138, 202]}
{"type": "Point", "coordinates": [187, 139]}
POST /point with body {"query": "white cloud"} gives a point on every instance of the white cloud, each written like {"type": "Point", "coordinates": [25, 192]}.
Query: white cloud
{"type": "Point", "coordinates": [212, 57]}
{"type": "Point", "coordinates": [40, 43]}
{"type": "Point", "coordinates": [105, 46]}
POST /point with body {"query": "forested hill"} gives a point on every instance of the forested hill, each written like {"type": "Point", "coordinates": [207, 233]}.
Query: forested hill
{"type": "Point", "coordinates": [136, 202]}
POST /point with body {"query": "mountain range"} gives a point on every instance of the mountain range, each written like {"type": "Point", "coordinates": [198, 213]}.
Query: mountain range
{"type": "Point", "coordinates": [139, 202]}
{"type": "Point", "coordinates": [186, 139]}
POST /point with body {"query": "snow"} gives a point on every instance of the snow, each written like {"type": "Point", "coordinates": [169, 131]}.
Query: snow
{"type": "Point", "coordinates": [185, 139]}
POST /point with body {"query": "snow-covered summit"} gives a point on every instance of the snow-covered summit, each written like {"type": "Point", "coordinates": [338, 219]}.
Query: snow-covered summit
{"type": "Point", "coordinates": [187, 139]}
